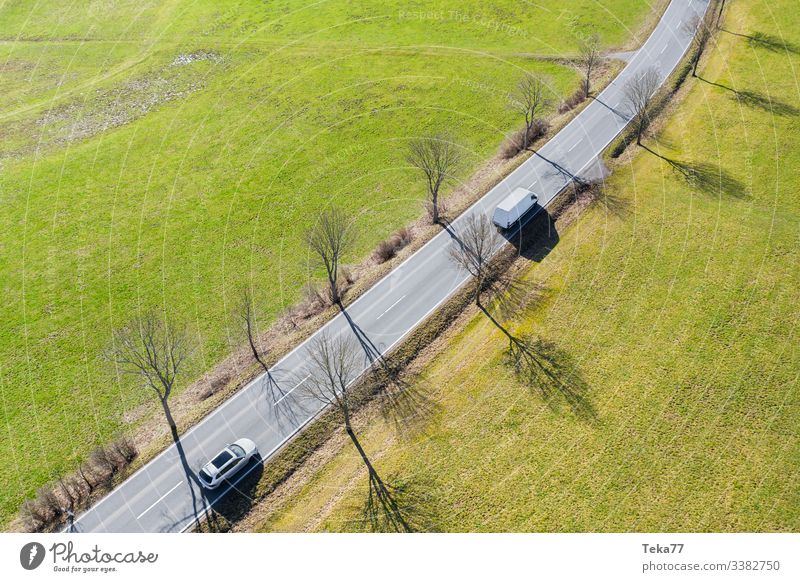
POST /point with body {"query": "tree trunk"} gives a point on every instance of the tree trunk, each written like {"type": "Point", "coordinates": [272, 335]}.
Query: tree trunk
{"type": "Point", "coordinates": [334, 288]}
{"type": "Point", "coordinates": [253, 347]}
{"type": "Point", "coordinates": [173, 428]}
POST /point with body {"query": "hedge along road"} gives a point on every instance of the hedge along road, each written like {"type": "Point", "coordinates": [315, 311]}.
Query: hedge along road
{"type": "Point", "coordinates": [161, 498]}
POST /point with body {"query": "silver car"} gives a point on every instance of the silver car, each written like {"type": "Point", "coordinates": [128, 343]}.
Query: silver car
{"type": "Point", "coordinates": [227, 463]}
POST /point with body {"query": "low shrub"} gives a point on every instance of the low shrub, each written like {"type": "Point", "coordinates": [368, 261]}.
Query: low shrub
{"type": "Point", "coordinates": [404, 237]}
{"type": "Point", "coordinates": [516, 143]}
{"type": "Point", "coordinates": [213, 386]}
{"type": "Point", "coordinates": [54, 500]}
{"type": "Point", "coordinates": [388, 249]}
{"type": "Point", "coordinates": [573, 100]}
{"type": "Point", "coordinates": [385, 251]}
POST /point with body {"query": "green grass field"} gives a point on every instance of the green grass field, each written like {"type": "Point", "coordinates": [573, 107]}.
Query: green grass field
{"type": "Point", "coordinates": [131, 177]}
{"type": "Point", "coordinates": [676, 303]}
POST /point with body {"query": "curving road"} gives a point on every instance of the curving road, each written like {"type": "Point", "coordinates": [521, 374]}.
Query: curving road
{"type": "Point", "coordinates": [160, 498]}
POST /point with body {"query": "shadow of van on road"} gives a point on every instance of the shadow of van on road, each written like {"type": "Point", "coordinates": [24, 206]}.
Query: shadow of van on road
{"type": "Point", "coordinates": [536, 236]}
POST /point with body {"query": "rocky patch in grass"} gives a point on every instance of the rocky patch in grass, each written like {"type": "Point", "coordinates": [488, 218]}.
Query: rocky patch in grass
{"type": "Point", "coordinates": [87, 115]}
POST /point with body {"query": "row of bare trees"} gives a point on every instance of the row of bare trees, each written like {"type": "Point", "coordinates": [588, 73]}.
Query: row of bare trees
{"type": "Point", "coordinates": [640, 92]}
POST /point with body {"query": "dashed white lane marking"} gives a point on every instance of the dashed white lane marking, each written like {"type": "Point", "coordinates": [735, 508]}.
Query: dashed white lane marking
{"type": "Point", "coordinates": [157, 501]}
{"type": "Point", "coordinates": [388, 308]}
{"type": "Point", "coordinates": [573, 147]}
{"type": "Point", "coordinates": [662, 50]}
{"type": "Point", "coordinates": [292, 390]}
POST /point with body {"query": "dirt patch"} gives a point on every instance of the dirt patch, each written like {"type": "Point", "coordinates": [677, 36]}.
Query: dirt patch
{"type": "Point", "coordinates": [200, 55]}
{"type": "Point", "coordinates": [111, 108]}
{"type": "Point", "coordinates": [16, 66]}
{"type": "Point", "coordinates": [104, 109]}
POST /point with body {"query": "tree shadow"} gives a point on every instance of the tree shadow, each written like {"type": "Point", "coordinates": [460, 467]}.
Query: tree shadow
{"type": "Point", "coordinates": [622, 115]}
{"type": "Point", "coordinates": [708, 178]}
{"type": "Point", "coordinates": [766, 103]}
{"type": "Point", "coordinates": [549, 370]}
{"type": "Point", "coordinates": [196, 490]}
{"type": "Point", "coordinates": [756, 100]}
{"type": "Point", "coordinates": [291, 410]}
{"type": "Point", "coordinates": [511, 296]}
{"type": "Point", "coordinates": [72, 527]}
{"type": "Point", "coordinates": [372, 352]}
{"type": "Point", "coordinates": [271, 386]}
{"type": "Point", "coordinates": [406, 405]}
{"type": "Point", "coordinates": [614, 203]}
{"type": "Point", "coordinates": [767, 41]}
{"type": "Point", "coordinates": [560, 170]}
{"type": "Point", "coordinates": [398, 506]}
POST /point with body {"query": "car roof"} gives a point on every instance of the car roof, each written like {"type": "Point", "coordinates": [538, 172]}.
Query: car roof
{"type": "Point", "coordinates": [222, 458]}
{"type": "Point", "coordinates": [218, 462]}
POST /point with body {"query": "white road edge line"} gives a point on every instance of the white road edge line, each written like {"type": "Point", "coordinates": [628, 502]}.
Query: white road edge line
{"type": "Point", "coordinates": [292, 390]}
{"type": "Point", "coordinates": [388, 308]}
{"type": "Point", "coordinates": [157, 501]}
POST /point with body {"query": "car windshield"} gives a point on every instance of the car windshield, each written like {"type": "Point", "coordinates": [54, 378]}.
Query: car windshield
{"type": "Point", "coordinates": [237, 450]}
{"type": "Point", "coordinates": [222, 458]}
{"type": "Point", "coordinates": [205, 476]}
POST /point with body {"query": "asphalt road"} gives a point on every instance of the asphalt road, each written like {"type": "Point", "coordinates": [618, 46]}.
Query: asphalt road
{"type": "Point", "coordinates": [159, 497]}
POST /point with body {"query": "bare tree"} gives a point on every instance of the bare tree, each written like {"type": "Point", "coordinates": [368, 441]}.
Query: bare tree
{"type": "Point", "coordinates": [700, 29]}
{"type": "Point", "coordinates": [330, 238]}
{"type": "Point", "coordinates": [529, 99]}
{"type": "Point", "coordinates": [589, 58]}
{"type": "Point", "coordinates": [332, 366]}
{"type": "Point", "coordinates": [153, 348]}
{"type": "Point", "coordinates": [638, 95]}
{"type": "Point", "coordinates": [246, 313]}
{"type": "Point", "coordinates": [473, 248]}
{"type": "Point", "coordinates": [437, 157]}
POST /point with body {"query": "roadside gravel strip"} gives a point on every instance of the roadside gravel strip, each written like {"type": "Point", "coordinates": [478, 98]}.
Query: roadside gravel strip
{"type": "Point", "coordinates": [159, 498]}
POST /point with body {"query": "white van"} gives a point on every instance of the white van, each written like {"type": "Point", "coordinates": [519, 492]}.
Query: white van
{"type": "Point", "coordinates": [513, 207]}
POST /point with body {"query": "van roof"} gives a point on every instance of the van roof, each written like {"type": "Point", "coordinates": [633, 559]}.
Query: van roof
{"type": "Point", "coordinates": [517, 195]}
